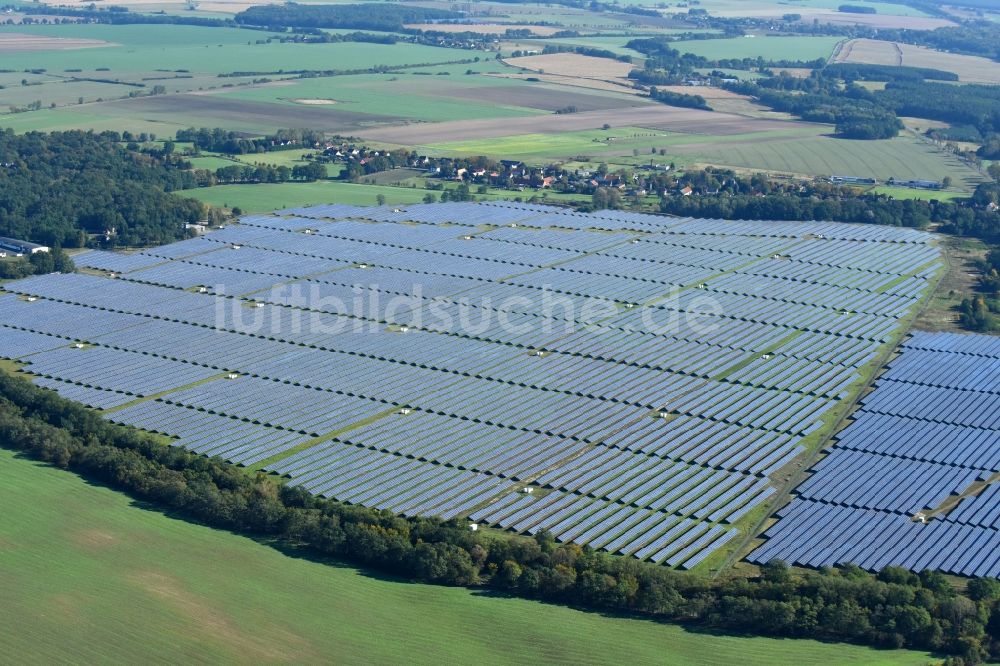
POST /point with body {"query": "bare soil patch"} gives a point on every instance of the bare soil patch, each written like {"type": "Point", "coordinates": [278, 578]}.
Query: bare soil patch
{"type": "Point", "coordinates": [315, 102]}
{"type": "Point", "coordinates": [970, 69]}
{"type": "Point", "coordinates": [228, 112]}
{"type": "Point", "coordinates": [574, 65]}
{"type": "Point", "coordinates": [13, 42]}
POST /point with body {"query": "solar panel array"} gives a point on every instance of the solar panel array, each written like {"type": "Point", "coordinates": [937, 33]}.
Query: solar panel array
{"type": "Point", "coordinates": [913, 481]}
{"type": "Point", "coordinates": [644, 376]}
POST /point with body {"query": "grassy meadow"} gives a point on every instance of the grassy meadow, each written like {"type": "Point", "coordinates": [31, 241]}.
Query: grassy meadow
{"type": "Point", "coordinates": [90, 577]}
{"type": "Point", "coordinates": [771, 47]}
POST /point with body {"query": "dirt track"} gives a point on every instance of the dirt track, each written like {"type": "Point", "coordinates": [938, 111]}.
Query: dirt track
{"type": "Point", "coordinates": [659, 116]}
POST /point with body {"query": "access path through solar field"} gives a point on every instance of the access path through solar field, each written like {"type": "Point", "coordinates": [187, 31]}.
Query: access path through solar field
{"type": "Point", "coordinates": [912, 481]}
{"type": "Point", "coordinates": [684, 365]}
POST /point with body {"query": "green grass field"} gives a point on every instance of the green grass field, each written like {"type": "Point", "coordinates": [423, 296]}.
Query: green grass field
{"type": "Point", "coordinates": [427, 97]}
{"type": "Point", "coordinates": [89, 577]}
{"type": "Point", "coordinates": [921, 195]}
{"type": "Point", "coordinates": [775, 48]}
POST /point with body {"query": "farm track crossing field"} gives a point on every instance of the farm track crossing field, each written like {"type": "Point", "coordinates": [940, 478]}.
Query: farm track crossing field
{"type": "Point", "coordinates": [640, 434]}
{"type": "Point", "coordinates": [80, 563]}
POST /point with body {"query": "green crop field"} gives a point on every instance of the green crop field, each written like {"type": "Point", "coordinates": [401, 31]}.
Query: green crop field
{"type": "Point", "coordinates": [146, 48]}
{"type": "Point", "coordinates": [902, 157]}
{"type": "Point", "coordinates": [776, 48]}
{"type": "Point", "coordinates": [90, 577]}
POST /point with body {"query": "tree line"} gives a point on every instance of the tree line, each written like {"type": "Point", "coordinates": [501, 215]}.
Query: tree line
{"type": "Point", "coordinates": [386, 17]}
{"type": "Point", "coordinates": [895, 608]}
{"type": "Point", "coordinates": [218, 140]}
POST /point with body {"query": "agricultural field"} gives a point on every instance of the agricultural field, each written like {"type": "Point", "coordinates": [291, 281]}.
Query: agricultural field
{"type": "Point", "coordinates": [670, 462]}
{"type": "Point", "coordinates": [573, 65]}
{"type": "Point", "coordinates": [91, 87]}
{"type": "Point", "coordinates": [655, 117]}
{"type": "Point", "coordinates": [793, 148]}
{"type": "Point", "coordinates": [79, 563]}
{"type": "Point", "coordinates": [149, 48]}
{"type": "Point", "coordinates": [903, 158]}
{"type": "Point", "coordinates": [888, 15]}
{"type": "Point", "coordinates": [777, 48]}
{"type": "Point", "coordinates": [970, 69]}
{"type": "Point", "coordinates": [439, 98]}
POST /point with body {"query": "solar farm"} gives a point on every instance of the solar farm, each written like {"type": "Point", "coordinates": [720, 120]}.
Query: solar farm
{"type": "Point", "coordinates": [630, 382]}
{"type": "Point", "coordinates": [912, 481]}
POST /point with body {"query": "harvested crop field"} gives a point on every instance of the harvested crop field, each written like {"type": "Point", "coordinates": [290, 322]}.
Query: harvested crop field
{"type": "Point", "coordinates": [970, 69]}
{"type": "Point", "coordinates": [616, 85]}
{"type": "Point", "coordinates": [547, 98]}
{"type": "Point", "coordinates": [484, 28]}
{"type": "Point", "coordinates": [654, 116]}
{"type": "Point", "coordinates": [238, 114]}
{"type": "Point", "coordinates": [13, 42]}
{"type": "Point", "coordinates": [878, 20]}
{"type": "Point", "coordinates": [572, 64]}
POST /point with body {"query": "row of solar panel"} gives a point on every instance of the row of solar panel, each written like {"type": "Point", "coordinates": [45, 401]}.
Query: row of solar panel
{"type": "Point", "coordinates": [473, 214]}
{"type": "Point", "coordinates": [911, 481]}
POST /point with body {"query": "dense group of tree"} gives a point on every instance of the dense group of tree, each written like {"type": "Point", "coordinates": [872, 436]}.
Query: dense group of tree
{"type": "Point", "coordinates": [218, 140]}
{"type": "Point", "coordinates": [39, 263]}
{"type": "Point", "coordinates": [972, 105]}
{"type": "Point", "coordinates": [852, 109]}
{"type": "Point", "coordinates": [971, 38]}
{"type": "Point", "coordinates": [387, 17]}
{"type": "Point", "coordinates": [856, 9]}
{"type": "Point", "coordinates": [721, 193]}
{"type": "Point", "coordinates": [587, 51]}
{"type": "Point", "coordinates": [831, 95]}
{"type": "Point", "coordinates": [679, 99]}
{"type": "Point", "coordinates": [894, 609]}
{"type": "Point", "coordinates": [850, 71]}
{"type": "Point", "coordinates": [58, 188]}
